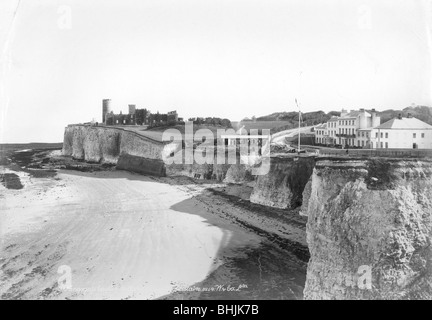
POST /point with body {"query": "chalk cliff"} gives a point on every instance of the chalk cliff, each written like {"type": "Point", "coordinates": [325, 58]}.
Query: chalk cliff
{"type": "Point", "coordinates": [102, 144]}
{"type": "Point", "coordinates": [283, 186]}
{"type": "Point", "coordinates": [125, 148]}
{"type": "Point", "coordinates": [369, 229]}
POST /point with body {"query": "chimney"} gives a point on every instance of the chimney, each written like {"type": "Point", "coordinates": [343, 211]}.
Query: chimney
{"type": "Point", "coordinates": [400, 116]}
{"type": "Point", "coordinates": [362, 110]}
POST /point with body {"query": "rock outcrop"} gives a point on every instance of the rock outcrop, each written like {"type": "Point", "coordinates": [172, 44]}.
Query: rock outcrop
{"type": "Point", "coordinates": [239, 174]}
{"type": "Point", "coordinates": [141, 165]}
{"type": "Point", "coordinates": [104, 144]}
{"type": "Point", "coordinates": [369, 229]}
{"type": "Point", "coordinates": [131, 151]}
{"type": "Point", "coordinates": [207, 171]}
{"type": "Point", "coordinates": [283, 186]}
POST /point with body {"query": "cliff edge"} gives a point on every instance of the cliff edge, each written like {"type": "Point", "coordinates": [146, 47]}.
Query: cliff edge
{"type": "Point", "coordinates": [369, 229]}
{"type": "Point", "coordinates": [282, 187]}
{"type": "Point", "coordinates": [104, 144]}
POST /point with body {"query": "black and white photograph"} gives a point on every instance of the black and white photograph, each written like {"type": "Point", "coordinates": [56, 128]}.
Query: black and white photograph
{"type": "Point", "coordinates": [185, 151]}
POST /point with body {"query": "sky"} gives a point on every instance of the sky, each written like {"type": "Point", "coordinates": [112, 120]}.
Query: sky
{"type": "Point", "coordinates": [224, 58]}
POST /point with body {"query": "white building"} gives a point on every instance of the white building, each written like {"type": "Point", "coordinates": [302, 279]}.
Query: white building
{"type": "Point", "coordinates": [344, 130]}
{"type": "Point", "coordinates": [321, 134]}
{"type": "Point", "coordinates": [402, 133]}
{"type": "Point", "coordinates": [363, 130]}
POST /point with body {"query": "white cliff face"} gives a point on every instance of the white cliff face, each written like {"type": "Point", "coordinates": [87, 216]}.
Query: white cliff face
{"type": "Point", "coordinates": [283, 185]}
{"type": "Point", "coordinates": [369, 230]}
{"type": "Point", "coordinates": [239, 173]}
{"type": "Point", "coordinates": [102, 144]}
{"type": "Point", "coordinates": [106, 145]}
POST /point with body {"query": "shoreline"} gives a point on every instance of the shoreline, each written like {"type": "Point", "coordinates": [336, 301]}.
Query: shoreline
{"type": "Point", "coordinates": [242, 253]}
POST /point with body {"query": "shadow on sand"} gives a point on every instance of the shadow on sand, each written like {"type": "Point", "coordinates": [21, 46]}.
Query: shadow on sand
{"type": "Point", "coordinates": [257, 269]}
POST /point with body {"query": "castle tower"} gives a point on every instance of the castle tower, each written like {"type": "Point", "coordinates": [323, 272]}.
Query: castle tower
{"type": "Point", "coordinates": [106, 108]}
{"type": "Point", "coordinates": [132, 109]}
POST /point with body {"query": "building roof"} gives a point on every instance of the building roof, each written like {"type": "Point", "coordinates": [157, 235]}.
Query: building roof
{"type": "Point", "coordinates": [354, 114]}
{"type": "Point", "coordinates": [321, 126]}
{"type": "Point", "coordinates": [404, 123]}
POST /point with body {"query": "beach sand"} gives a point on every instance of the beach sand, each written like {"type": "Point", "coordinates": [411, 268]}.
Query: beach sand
{"type": "Point", "coordinates": [117, 234]}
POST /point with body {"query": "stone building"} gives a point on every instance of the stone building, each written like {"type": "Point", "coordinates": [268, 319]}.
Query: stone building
{"type": "Point", "coordinates": [172, 116]}
{"type": "Point", "coordinates": [135, 116]}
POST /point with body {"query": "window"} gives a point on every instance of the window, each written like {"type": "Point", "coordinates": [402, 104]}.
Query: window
{"type": "Point", "coordinates": [414, 135]}
{"type": "Point", "coordinates": [381, 144]}
{"type": "Point", "coordinates": [376, 134]}
{"type": "Point", "coordinates": [386, 135]}
{"type": "Point", "coordinates": [362, 143]}
{"type": "Point", "coordinates": [422, 135]}
{"type": "Point", "coordinates": [386, 144]}
{"type": "Point", "coordinates": [381, 137]}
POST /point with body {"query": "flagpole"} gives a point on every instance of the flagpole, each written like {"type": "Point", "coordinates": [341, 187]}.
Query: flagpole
{"type": "Point", "coordinates": [298, 144]}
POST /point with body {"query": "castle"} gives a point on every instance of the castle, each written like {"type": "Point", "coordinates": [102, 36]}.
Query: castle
{"type": "Point", "coordinates": [136, 116]}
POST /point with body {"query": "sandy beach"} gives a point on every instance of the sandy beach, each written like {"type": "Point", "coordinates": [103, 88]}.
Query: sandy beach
{"type": "Point", "coordinates": [112, 234]}
{"type": "Point", "coordinates": [116, 231]}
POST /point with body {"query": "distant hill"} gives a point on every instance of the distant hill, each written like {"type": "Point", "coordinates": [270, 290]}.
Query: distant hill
{"type": "Point", "coordinates": [422, 113]}
{"type": "Point", "coordinates": [289, 120]}
{"type": "Point", "coordinates": [311, 118]}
